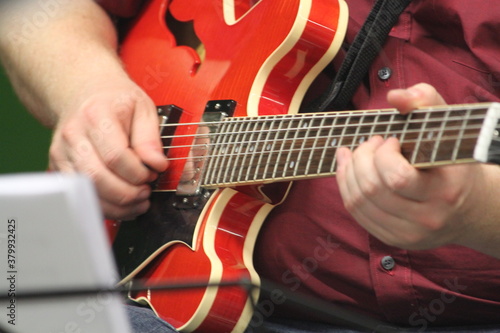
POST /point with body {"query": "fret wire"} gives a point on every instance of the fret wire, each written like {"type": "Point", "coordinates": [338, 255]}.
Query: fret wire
{"type": "Point", "coordinates": [251, 147]}
{"type": "Point", "coordinates": [288, 160]}
{"type": "Point", "coordinates": [356, 131]}
{"type": "Point", "coordinates": [438, 140]}
{"type": "Point", "coordinates": [464, 137]}
{"type": "Point", "coordinates": [281, 149]}
{"type": "Point", "coordinates": [234, 152]}
{"type": "Point", "coordinates": [372, 127]}
{"type": "Point", "coordinates": [349, 124]}
{"type": "Point", "coordinates": [306, 139]}
{"type": "Point", "coordinates": [405, 130]}
{"type": "Point", "coordinates": [344, 128]}
{"type": "Point", "coordinates": [417, 121]}
{"type": "Point", "coordinates": [266, 144]}
{"type": "Point", "coordinates": [419, 140]}
{"type": "Point", "coordinates": [258, 151]}
{"type": "Point", "coordinates": [224, 149]}
{"type": "Point", "coordinates": [473, 137]}
{"type": "Point", "coordinates": [329, 144]}
{"type": "Point", "coordinates": [315, 143]}
{"type": "Point", "coordinates": [329, 136]}
{"type": "Point", "coordinates": [479, 108]}
{"type": "Point", "coordinates": [334, 115]}
{"type": "Point", "coordinates": [461, 132]}
{"type": "Point", "coordinates": [238, 146]}
{"type": "Point", "coordinates": [388, 128]}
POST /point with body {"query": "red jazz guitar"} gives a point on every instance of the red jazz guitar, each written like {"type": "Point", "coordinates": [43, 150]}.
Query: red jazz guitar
{"type": "Point", "coordinates": [260, 57]}
{"type": "Point", "coordinates": [235, 141]}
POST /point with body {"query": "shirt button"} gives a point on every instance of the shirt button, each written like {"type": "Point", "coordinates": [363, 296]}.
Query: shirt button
{"type": "Point", "coordinates": [384, 73]}
{"type": "Point", "coordinates": [388, 263]}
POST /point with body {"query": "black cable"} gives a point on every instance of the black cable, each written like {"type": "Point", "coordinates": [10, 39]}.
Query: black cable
{"type": "Point", "coordinates": [365, 47]}
{"type": "Point", "coordinates": [327, 312]}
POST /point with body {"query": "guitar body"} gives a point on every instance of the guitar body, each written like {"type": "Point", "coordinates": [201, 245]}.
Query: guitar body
{"type": "Point", "coordinates": [261, 54]}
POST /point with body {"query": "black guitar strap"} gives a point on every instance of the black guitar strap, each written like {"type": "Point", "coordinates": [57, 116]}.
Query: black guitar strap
{"type": "Point", "coordinates": [361, 53]}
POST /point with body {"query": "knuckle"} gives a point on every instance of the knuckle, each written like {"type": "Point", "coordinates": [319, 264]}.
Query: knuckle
{"type": "Point", "coordinates": [67, 132]}
{"type": "Point", "coordinates": [92, 173]}
{"type": "Point", "coordinates": [112, 158]}
{"type": "Point", "coordinates": [431, 223]}
{"type": "Point", "coordinates": [126, 198]}
{"type": "Point", "coordinates": [90, 113]}
{"type": "Point", "coordinates": [349, 205]}
{"type": "Point", "coordinates": [399, 179]}
{"type": "Point", "coordinates": [54, 154]}
{"type": "Point", "coordinates": [369, 187]}
{"type": "Point", "coordinates": [353, 203]}
{"type": "Point", "coordinates": [129, 197]}
{"type": "Point", "coordinates": [452, 196]}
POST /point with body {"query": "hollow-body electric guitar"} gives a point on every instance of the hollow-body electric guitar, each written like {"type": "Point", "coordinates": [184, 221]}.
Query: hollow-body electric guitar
{"type": "Point", "coordinates": [235, 141]}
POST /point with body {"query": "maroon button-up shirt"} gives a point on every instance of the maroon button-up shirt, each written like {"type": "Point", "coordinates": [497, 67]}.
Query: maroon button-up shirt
{"type": "Point", "coordinates": [312, 245]}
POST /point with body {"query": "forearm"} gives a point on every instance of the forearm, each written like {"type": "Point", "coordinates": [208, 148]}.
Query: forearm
{"type": "Point", "coordinates": [52, 55]}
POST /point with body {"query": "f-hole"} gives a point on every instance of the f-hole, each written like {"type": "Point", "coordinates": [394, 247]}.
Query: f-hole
{"type": "Point", "coordinates": [184, 34]}
{"type": "Point", "coordinates": [241, 7]}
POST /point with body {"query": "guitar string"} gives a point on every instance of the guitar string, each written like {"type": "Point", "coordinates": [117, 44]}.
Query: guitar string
{"type": "Point", "coordinates": [400, 119]}
{"type": "Point", "coordinates": [351, 125]}
{"type": "Point", "coordinates": [291, 150]}
{"type": "Point", "coordinates": [367, 127]}
{"type": "Point", "coordinates": [483, 108]}
{"type": "Point", "coordinates": [361, 136]}
{"type": "Point", "coordinates": [314, 137]}
{"type": "Point", "coordinates": [394, 133]}
{"type": "Point", "coordinates": [299, 167]}
{"type": "Point", "coordinates": [318, 138]}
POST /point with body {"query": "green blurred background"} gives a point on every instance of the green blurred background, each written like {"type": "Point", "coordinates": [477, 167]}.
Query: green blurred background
{"type": "Point", "coordinates": [24, 143]}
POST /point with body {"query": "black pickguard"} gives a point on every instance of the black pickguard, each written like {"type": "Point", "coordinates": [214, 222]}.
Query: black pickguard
{"type": "Point", "coordinates": [168, 219]}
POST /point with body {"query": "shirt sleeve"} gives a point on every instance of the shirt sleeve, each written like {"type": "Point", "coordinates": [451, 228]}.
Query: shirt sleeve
{"type": "Point", "coordinates": [121, 8]}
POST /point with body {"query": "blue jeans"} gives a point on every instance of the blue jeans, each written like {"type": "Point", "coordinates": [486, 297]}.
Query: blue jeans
{"type": "Point", "coordinates": [144, 320]}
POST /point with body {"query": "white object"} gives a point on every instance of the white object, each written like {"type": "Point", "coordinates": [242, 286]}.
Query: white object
{"type": "Point", "coordinates": [52, 237]}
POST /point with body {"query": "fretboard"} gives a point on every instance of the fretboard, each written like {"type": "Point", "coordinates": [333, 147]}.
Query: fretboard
{"type": "Point", "coordinates": [273, 148]}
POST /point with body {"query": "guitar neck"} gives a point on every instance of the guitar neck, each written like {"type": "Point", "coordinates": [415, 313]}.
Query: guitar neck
{"type": "Point", "coordinates": [265, 149]}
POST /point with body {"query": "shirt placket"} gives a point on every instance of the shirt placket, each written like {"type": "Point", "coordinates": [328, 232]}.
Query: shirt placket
{"type": "Point", "coordinates": [387, 70]}
{"type": "Point", "coordinates": [392, 281]}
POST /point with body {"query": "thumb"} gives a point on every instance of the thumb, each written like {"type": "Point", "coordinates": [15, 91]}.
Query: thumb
{"type": "Point", "coordinates": [145, 136]}
{"type": "Point", "coordinates": [419, 95]}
